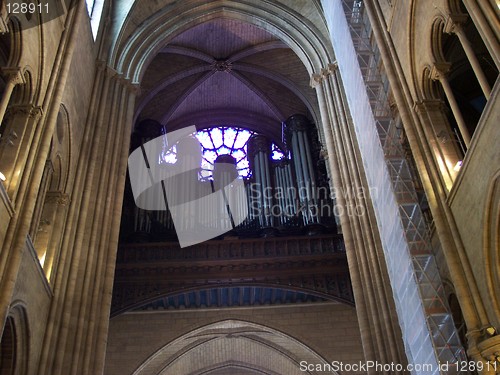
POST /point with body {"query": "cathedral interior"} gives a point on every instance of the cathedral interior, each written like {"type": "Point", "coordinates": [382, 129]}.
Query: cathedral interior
{"type": "Point", "coordinates": [243, 187]}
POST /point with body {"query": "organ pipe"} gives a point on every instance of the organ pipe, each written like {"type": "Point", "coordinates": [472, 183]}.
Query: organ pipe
{"type": "Point", "coordinates": [297, 127]}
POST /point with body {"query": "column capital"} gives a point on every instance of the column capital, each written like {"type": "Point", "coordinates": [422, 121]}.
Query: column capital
{"type": "Point", "coordinates": [13, 74]}
{"type": "Point", "coordinates": [4, 27]}
{"type": "Point", "coordinates": [133, 87]}
{"type": "Point", "coordinates": [318, 78]}
{"type": "Point", "coordinates": [490, 349]}
{"type": "Point", "coordinates": [429, 105]}
{"type": "Point", "coordinates": [57, 197]}
{"type": "Point", "coordinates": [30, 110]}
{"type": "Point", "coordinates": [454, 22]}
{"type": "Point", "coordinates": [439, 70]}
{"type": "Point", "coordinates": [110, 72]}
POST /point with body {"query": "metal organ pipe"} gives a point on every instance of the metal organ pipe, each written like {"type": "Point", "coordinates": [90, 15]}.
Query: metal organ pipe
{"type": "Point", "coordinates": [260, 148]}
{"type": "Point", "coordinates": [296, 127]}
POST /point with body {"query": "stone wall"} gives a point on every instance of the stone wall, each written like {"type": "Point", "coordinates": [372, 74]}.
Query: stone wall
{"type": "Point", "coordinates": [331, 330]}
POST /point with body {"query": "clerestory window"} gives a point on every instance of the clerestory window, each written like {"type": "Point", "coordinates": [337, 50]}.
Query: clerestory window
{"type": "Point", "coordinates": [94, 9]}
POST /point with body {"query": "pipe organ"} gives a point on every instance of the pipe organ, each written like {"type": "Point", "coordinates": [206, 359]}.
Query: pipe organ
{"type": "Point", "coordinates": [288, 196]}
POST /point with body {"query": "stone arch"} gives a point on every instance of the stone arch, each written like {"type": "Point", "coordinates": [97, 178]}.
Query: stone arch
{"type": "Point", "coordinates": [14, 36]}
{"type": "Point", "coordinates": [14, 342]}
{"type": "Point", "coordinates": [430, 88]}
{"type": "Point", "coordinates": [23, 93]}
{"type": "Point", "coordinates": [266, 350]}
{"type": "Point", "coordinates": [61, 151]}
{"type": "Point", "coordinates": [304, 39]}
{"type": "Point", "coordinates": [491, 236]}
{"type": "Point", "coordinates": [436, 41]}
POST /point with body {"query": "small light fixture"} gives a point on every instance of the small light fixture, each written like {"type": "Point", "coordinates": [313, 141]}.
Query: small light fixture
{"type": "Point", "coordinates": [491, 331]}
{"type": "Point", "coordinates": [457, 166]}
{"type": "Point", "coordinates": [2, 177]}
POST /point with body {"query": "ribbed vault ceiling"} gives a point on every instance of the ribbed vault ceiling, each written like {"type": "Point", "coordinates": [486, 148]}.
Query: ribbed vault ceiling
{"type": "Point", "coordinates": [225, 72]}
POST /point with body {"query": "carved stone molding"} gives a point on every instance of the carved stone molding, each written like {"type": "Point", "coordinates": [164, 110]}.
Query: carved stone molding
{"type": "Point", "coordinates": [318, 78]}
{"type": "Point", "coordinates": [57, 197]}
{"type": "Point", "coordinates": [311, 264]}
{"type": "Point", "coordinates": [454, 23]}
{"type": "Point", "coordinates": [14, 74]}
{"type": "Point", "coordinates": [29, 110]}
{"type": "Point", "coordinates": [222, 66]}
{"type": "Point", "coordinates": [4, 27]}
{"type": "Point", "coordinates": [440, 70]}
{"type": "Point", "coordinates": [490, 349]}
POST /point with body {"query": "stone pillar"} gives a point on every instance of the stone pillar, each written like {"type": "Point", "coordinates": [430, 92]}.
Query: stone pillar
{"type": "Point", "coordinates": [13, 77]}
{"type": "Point", "coordinates": [460, 270]}
{"type": "Point", "coordinates": [79, 314]}
{"type": "Point", "coordinates": [50, 229]}
{"type": "Point", "coordinates": [15, 239]}
{"type": "Point", "coordinates": [380, 332]}
{"type": "Point", "coordinates": [486, 20]}
{"type": "Point", "coordinates": [23, 119]}
{"type": "Point", "coordinates": [438, 73]}
{"type": "Point", "coordinates": [441, 138]}
{"type": "Point", "coordinates": [4, 26]}
{"type": "Point", "coordinates": [37, 212]}
{"type": "Point", "coordinates": [454, 25]}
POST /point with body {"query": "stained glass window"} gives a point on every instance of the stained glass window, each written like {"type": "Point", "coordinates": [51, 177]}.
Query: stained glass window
{"type": "Point", "coordinates": [222, 140]}
{"type": "Point", "coordinates": [276, 153]}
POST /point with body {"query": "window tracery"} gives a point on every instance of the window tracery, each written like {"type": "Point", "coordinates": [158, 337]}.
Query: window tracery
{"type": "Point", "coordinates": [221, 140]}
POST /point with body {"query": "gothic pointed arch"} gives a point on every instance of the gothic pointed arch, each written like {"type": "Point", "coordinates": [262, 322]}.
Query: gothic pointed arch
{"type": "Point", "coordinates": [233, 345]}
{"type": "Point", "coordinates": [132, 55]}
{"type": "Point", "coordinates": [491, 237]}
{"type": "Point", "coordinates": [14, 342]}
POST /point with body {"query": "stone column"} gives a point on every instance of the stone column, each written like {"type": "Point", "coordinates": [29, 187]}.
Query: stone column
{"type": "Point", "coordinates": [22, 122]}
{"type": "Point", "coordinates": [79, 315]}
{"type": "Point", "coordinates": [441, 138]}
{"type": "Point", "coordinates": [15, 240]}
{"type": "Point", "coordinates": [454, 25]}
{"type": "Point", "coordinates": [4, 27]}
{"type": "Point", "coordinates": [438, 73]}
{"type": "Point", "coordinates": [446, 228]}
{"type": "Point", "coordinates": [37, 212]}
{"type": "Point", "coordinates": [48, 239]}
{"type": "Point", "coordinates": [376, 314]}
{"type": "Point", "coordinates": [13, 77]}
{"type": "Point", "coordinates": [486, 20]}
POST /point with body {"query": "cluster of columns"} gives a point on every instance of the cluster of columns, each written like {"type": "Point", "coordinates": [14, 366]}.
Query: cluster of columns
{"type": "Point", "coordinates": [479, 345]}
{"type": "Point", "coordinates": [380, 332]}
{"type": "Point", "coordinates": [81, 248]}
{"type": "Point", "coordinates": [79, 312]}
{"type": "Point", "coordinates": [454, 25]}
